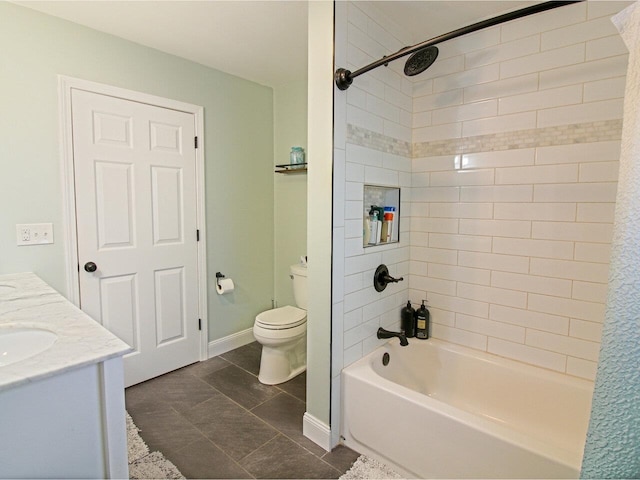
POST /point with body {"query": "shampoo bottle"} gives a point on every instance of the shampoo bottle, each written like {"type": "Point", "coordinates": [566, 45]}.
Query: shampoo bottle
{"type": "Point", "coordinates": [387, 227]}
{"type": "Point", "coordinates": [408, 320]}
{"type": "Point", "coordinates": [385, 230]}
{"type": "Point", "coordinates": [422, 322]}
{"type": "Point", "coordinates": [389, 213]}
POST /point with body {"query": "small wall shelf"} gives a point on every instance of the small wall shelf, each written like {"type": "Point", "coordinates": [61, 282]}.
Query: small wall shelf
{"type": "Point", "coordinates": [382, 196]}
{"type": "Point", "coordinates": [292, 168]}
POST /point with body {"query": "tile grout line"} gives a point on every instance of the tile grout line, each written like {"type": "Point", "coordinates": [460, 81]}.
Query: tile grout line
{"type": "Point", "coordinates": [250, 411]}
{"type": "Point", "coordinates": [223, 450]}
{"type": "Point", "coordinates": [282, 391]}
{"type": "Point", "coordinates": [214, 444]}
{"type": "Point", "coordinates": [282, 434]}
{"type": "Point", "coordinates": [278, 432]}
{"type": "Point", "coordinates": [277, 391]}
{"type": "Point", "coordinates": [256, 376]}
{"type": "Point", "coordinates": [187, 421]}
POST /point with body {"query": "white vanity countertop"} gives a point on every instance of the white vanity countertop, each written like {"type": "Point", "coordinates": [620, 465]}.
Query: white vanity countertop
{"type": "Point", "coordinates": [34, 304]}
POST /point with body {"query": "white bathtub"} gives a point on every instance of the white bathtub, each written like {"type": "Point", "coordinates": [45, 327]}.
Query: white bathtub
{"type": "Point", "coordinates": [438, 410]}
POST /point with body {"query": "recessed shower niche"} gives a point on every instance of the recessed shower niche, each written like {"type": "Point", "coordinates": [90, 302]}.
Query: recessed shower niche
{"type": "Point", "coordinates": [381, 215]}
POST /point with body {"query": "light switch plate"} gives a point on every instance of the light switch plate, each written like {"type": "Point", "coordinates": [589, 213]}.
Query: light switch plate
{"type": "Point", "coordinates": [34, 233]}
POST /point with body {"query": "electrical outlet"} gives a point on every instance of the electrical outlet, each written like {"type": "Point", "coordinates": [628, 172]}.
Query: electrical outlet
{"type": "Point", "coordinates": [34, 233]}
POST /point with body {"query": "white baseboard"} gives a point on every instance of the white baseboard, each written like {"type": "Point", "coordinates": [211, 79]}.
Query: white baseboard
{"type": "Point", "coordinates": [228, 343]}
{"type": "Point", "coordinates": [316, 431]}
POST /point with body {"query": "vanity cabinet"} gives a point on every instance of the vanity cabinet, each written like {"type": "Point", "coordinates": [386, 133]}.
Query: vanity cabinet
{"type": "Point", "coordinates": [62, 410]}
{"type": "Point", "coordinates": [70, 425]}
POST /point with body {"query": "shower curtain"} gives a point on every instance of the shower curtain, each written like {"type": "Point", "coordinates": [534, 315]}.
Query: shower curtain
{"type": "Point", "coordinates": [612, 449]}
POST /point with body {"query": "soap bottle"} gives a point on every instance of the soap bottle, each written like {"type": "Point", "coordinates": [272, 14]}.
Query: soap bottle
{"type": "Point", "coordinates": [366, 229]}
{"type": "Point", "coordinates": [373, 222]}
{"type": "Point", "coordinates": [408, 320]}
{"type": "Point", "coordinates": [380, 211]}
{"type": "Point", "coordinates": [422, 322]}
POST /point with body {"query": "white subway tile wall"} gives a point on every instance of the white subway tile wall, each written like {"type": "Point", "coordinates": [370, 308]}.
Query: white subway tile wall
{"type": "Point", "coordinates": [506, 151]}
{"type": "Point", "coordinates": [535, 209]}
{"type": "Point", "coordinates": [374, 122]}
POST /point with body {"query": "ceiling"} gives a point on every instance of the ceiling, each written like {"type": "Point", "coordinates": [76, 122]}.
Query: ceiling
{"type": "Point", "coordinates": [262, 41]}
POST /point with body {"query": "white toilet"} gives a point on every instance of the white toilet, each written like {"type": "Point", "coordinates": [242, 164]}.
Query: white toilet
{"type": "Point", "coordinates": [283, 335]}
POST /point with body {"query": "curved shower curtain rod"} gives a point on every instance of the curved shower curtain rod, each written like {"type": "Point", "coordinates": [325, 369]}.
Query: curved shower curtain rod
{"type": "Point", "coordinates": [344, 77]}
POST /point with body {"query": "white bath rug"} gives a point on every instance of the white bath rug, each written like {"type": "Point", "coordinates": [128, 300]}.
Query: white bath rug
{"type": "Point", "coordinates": [368, 468]}
{"type": "Point", "coordinates": [145, 465]}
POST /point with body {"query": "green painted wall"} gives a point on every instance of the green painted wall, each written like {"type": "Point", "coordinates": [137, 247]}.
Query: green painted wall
{"type": "Point", "coordinates": [239, 151]}
{"type": "Point", "coordinates": [290, 190]}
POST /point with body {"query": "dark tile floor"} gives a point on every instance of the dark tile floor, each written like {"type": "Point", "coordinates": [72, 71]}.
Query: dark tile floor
{"type": "Point", "coordinates": [213, 419]}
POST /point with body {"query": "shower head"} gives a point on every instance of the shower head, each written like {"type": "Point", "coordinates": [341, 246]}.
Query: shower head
{"type": "Point", "coordinates": [420, 61]}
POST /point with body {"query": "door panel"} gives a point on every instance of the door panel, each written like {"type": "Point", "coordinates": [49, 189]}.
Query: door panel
{"type": "Point", "coordinates": [114, 198]}
{"type": "Point", "coordinates": [166, 184]}
{"type": "Point", "coordinates": [135, 179]}
{"type": "Point", "coordinates": [111, 129]}
{"type": "Point", "coordinates": [166, 138]}
{"type": "Point", "coordinates": [169, 302]}
{"type": "Point", "coordinates": [119, 311]}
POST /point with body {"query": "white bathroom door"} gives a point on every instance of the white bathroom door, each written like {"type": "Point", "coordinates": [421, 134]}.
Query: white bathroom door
{"type": "Point", "coordinates": [135, 184]}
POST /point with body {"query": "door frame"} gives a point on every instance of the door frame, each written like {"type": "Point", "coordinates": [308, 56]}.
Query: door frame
{"type": "Point", "coordinates": [69, 221]}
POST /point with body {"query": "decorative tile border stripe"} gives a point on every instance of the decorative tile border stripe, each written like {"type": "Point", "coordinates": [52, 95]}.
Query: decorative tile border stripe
{"type": "Point", "coordinates": [377, 141]}
{"type": "Point", "coordinates": [536, 137]}
{"type": "Point", "coordinates": [600, 131]}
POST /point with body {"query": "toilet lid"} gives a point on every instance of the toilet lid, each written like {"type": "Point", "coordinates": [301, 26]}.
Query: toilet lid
{"type": "Point", "coordinates": [281, 318]}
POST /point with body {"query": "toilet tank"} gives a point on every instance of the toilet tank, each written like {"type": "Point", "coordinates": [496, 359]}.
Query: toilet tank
{"type": "Point", "coordinates": [299, 277]}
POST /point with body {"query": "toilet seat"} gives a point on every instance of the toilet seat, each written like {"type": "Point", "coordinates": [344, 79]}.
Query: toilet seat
{"type": "Point", "coordinates": [281, 318]}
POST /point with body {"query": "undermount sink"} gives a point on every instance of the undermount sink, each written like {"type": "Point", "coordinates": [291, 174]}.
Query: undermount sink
{"type": "Point", "coordinates": [18, 344]}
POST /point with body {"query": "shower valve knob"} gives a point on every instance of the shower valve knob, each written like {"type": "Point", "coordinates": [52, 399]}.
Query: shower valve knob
{"type": "Point", "coordinates": [390, 279]}
{"type": "Point", "coordinates": [381, 278]}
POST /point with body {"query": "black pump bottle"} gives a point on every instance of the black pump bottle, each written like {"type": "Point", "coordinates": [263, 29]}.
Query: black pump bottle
{"type": "Point", "coordinates": [422, 322]}
{"type": "Point", "coordinates": [408, 320]}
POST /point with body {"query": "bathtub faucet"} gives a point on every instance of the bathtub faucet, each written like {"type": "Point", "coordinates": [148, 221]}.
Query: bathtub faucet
{"type": "Point", "coordinates": [382, 333]}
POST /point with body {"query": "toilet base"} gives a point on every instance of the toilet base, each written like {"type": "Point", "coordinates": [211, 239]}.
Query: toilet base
{"type": "Point", "coordinates": [279, 365]}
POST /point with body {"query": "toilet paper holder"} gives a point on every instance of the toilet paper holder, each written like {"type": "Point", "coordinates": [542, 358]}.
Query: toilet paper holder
{"type": "Point", "coordinates": [224, 285]}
